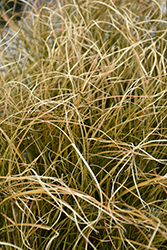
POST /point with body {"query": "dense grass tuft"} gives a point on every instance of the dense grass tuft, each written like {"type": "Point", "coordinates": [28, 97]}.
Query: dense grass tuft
{"type": "Point", "coordinates": [83, 126]}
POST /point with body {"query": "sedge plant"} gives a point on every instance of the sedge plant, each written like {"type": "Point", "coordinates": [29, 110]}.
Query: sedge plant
{"type": "Point", "coordinates": [83, 126]}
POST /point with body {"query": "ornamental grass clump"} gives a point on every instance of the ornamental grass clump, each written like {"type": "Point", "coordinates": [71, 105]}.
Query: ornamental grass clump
{"type": "Point", "coordinates": [83, 126]}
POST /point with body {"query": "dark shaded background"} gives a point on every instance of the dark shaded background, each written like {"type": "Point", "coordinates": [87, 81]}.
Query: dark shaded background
{"type": "Point", "coordinates": [11, 8]}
